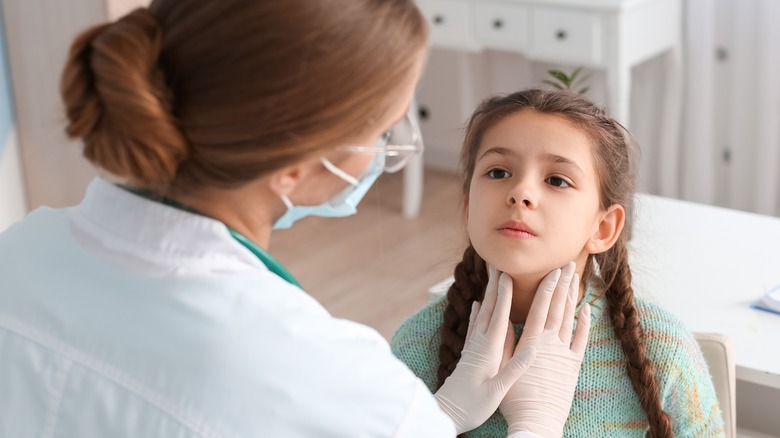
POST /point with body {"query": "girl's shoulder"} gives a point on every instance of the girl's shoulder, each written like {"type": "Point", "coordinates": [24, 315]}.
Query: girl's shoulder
{"type": "Point", "coordinates": [417, 341]}
{"type": "Point", "coordinates": [423, 324]}
{"type": "Point", "coordinates": [670, 343]}
{"type": "Point", "coordinates": [686, 388]}
{"type": "Point", "coordinates": [659, 322]}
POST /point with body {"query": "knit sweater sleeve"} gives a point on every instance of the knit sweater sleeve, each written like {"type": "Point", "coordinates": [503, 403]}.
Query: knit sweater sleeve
{"type": "Point", "coordinates": [417, 342]}
{"type": "Point", "coordinates": [687, 392]}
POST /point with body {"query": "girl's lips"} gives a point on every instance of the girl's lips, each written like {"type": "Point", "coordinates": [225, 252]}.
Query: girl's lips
{"type": "Point", "coordinates": [516, 228]}
{"type": "Point", "coordinates": [515, 234]}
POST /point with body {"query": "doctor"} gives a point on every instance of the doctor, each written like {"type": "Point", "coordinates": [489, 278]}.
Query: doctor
{"type": "Point", "coordinates": [154, 309]}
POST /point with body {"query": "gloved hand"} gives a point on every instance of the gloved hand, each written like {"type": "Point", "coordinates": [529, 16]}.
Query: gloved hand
{"type": "Point", "coordinates": [540, 399]}
{"type": "Point", "coordinates": [479, 382]}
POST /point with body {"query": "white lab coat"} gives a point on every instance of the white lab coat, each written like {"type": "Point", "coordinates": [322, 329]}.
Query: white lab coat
{"type": "Point", "coordinates": [124, 317]}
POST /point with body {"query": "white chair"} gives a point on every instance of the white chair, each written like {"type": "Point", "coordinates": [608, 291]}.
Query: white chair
{"type": "Point", "coordinates": [717, 351]}
{"type": "Point", "coordinates": [719, 355]}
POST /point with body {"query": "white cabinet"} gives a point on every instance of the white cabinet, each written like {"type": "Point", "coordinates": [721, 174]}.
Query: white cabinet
{"type": "Point", "coordinates": [501, 25]}
{"type": "Point", "coordinates": [449, 23]}
{"type": "Point", "coordinates": [568, 36]}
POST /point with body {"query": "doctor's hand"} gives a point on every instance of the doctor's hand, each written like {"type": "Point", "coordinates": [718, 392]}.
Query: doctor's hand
{"type": "Point", "coordinates": [485, 372]}
{"type": "Point", "coordinates": [540, 400]}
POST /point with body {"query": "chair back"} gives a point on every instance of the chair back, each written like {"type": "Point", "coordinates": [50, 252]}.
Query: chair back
{"type": "Point", "coordinates": [719, 355]}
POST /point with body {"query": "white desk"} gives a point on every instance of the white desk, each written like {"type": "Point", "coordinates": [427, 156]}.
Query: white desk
{"type": "Point", "coordinates": [706, 265]}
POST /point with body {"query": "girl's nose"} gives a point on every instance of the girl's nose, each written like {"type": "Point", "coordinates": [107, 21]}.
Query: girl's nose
{"type": "Point", "coordinates": [521, 193]}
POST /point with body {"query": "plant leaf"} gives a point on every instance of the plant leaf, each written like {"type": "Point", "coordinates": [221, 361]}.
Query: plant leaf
{"type": "Point", "coordinates": [561, 76]}
{"type": "Point", "coordinates": [554, 84]}
{"type": "Point", "coordinates": [574, 74]}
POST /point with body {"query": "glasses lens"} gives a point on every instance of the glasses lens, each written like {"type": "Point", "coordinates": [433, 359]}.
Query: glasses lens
{"type": "Point", "coordinates": [403, 143]}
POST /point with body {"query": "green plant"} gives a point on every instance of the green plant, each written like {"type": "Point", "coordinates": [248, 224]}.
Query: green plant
{"type": "Point", "coordinates": [562, 81]}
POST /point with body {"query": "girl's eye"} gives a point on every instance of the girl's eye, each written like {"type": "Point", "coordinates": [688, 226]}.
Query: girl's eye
{"type": "Point", "coordinates": [498, 173]}
{"type": "Point", "coordinates": [558, 182]}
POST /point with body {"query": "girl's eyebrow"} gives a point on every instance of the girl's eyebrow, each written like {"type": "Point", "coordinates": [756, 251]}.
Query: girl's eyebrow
{"type": "Point", "coordinates": [557, 159]}
{"type": "Point", "coordinates": [498, 150]}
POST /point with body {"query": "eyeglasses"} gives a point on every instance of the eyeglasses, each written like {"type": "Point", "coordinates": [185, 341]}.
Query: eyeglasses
{"type": "Point", "coordinates": [399, 144]}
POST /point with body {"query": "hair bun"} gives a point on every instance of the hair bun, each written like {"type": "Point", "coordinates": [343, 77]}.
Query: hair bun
{"type": "Point", "coordinates": [116, 100]}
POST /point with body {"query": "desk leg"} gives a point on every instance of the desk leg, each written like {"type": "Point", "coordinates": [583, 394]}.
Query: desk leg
{"type": "Point", "coordinates": [669, 154]}
{"type": "Point", "coordinates": [413, 187]}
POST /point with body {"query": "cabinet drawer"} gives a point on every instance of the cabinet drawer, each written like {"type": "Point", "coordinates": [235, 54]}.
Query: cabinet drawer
{"type": "Point", "coordinates": [500, 25]}
{"type": "Point", "coordinates": [564, 35]}
{"type": "Point", "coordinates": [449, 23]}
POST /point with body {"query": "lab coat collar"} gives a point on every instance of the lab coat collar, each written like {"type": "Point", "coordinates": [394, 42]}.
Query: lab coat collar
{"type": "Point", "coordinates": [121, 221]}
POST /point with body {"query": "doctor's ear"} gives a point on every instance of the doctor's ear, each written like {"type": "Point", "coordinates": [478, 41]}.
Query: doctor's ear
{"type": "Point", "coordinates": [607, 229]}
{"type": "Point", "coordinates": [285, 180]}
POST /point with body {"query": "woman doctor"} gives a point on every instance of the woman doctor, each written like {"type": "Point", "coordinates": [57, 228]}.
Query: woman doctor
{"type": "Point", "coordinates": [153, 308]}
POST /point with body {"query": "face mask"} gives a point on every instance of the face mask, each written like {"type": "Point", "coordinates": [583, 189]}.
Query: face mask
{"type": "Point", "coordinates": [343, 204]}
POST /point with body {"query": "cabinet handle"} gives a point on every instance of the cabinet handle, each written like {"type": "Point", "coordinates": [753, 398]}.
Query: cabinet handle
{"type": "Point", "coordinates": [498, 23]}
{"type": "Point", "coordinates": [424, 113]}
{"type": "Point", "coordinates": [561, 35]}
{"type": "Point", "coordinates": [438, 19]}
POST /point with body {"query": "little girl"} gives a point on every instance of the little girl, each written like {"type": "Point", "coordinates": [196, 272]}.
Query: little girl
{"type": "Point", "coordinates": [548, 177]}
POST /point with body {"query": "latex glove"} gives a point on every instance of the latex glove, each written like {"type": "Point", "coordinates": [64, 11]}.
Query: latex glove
{"type": "Point", "coordinates": [471, 394]}
{"type": "Point", "coordinates": [540, 399]}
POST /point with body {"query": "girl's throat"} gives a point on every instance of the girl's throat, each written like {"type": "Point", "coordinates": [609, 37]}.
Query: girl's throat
{"type": "Point", "coordinates": [523, 295]}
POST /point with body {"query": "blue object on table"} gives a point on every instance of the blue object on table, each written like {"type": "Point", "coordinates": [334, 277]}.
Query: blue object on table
{"type": "Point", "coordinates": [770, 302]}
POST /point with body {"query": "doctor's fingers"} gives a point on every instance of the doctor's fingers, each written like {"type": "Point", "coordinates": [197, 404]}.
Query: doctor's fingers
{"type": "Point", "coordinates": [500, 317]}
{"type": "Point", "coordinates": [489, 300]}
{"type": "Point", "coordinates": [509, 344]}
{"type": "Point", "coordinates": [568, 314]}
{"type": "Point", "coordinates": [540, 306]}
{"type": "Point", "coordinates": [582, 332]}
{"type": "Point", "coordinates": [475, 307]}
{"type": "Point", "coordinates": [559, 298]}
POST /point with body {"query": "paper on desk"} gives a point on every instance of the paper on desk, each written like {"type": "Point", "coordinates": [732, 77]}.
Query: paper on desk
{"type": "Point", "coordinates": [770, 301]}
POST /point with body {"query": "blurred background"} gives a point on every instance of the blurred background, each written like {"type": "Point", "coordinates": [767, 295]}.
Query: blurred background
{"type": "Point", "coordinates": [697, 82]}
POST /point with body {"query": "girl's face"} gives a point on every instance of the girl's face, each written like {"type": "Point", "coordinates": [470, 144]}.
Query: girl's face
{"type": "Point", "coordinates": [533, 204]}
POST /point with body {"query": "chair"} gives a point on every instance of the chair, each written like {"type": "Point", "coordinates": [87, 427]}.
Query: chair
{"type": "Point", "coordinates": [719, 355]}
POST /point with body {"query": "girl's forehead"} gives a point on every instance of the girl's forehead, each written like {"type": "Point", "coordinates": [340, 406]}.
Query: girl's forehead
{"type": "Point", "coordinates": [529, 129]}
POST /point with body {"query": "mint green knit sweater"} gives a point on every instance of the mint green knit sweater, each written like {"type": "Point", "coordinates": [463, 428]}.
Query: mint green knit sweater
{"type": "Point", "coordinates": [605, 404]}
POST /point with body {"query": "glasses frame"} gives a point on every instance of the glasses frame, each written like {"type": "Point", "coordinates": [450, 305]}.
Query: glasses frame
{"type": "Point", "coordinates": [406, 151]}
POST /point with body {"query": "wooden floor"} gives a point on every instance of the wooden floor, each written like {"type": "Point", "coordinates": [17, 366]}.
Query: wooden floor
{"type": "Point", "coordinates": [375, 267]}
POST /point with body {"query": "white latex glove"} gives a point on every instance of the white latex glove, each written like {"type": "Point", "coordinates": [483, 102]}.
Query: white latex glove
{"type": "Point", "coordinates": [540, 399]}
{"type": "Point", "coordinates": [471, 394]}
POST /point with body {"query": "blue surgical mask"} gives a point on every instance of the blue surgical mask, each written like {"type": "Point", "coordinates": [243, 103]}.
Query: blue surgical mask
{"type": "Point", "coordinates": [343, 204]}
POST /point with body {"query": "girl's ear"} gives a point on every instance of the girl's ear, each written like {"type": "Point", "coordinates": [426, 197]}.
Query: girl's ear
{"type": "Point", "coordinates": [607, 229]}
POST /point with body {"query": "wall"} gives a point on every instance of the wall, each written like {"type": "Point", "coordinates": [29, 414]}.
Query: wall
{"type": "Point", "coordinates": [39, 34]}
{"type": "Point", "coordinates": [12, 198]}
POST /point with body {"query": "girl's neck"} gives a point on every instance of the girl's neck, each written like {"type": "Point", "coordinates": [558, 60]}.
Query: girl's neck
{"type": "Point", "coordinates": [523, 292]}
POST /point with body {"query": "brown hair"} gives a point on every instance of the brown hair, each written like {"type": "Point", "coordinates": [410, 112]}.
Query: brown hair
{"type": "Point", "coordinates": [614, 154]}
{"type": "Point", "coordinates": [217, 93]}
